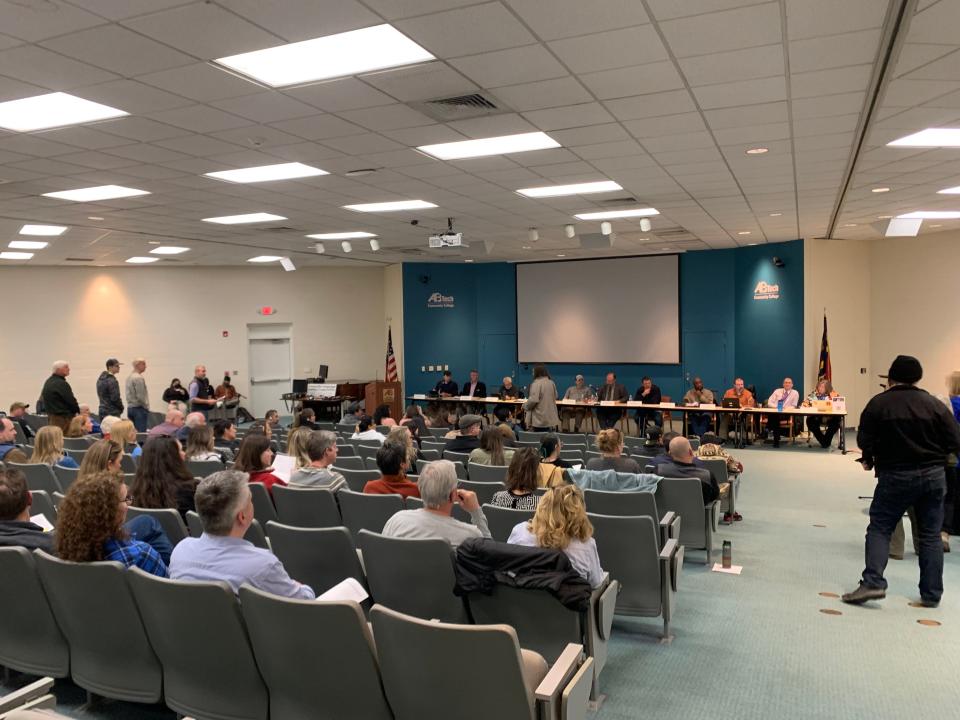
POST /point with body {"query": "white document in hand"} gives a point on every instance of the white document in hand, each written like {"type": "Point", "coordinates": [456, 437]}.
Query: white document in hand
{"type": "Point", "coordinates": [42, 521]}
{"type": "Point", "coordinates": [348, 589]}
{"type": "Point", "coordinates": [283, 466]}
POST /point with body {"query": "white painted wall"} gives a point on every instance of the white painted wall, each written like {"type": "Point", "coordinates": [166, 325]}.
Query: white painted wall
{"type": "Point", "coordinates": [175, 318]}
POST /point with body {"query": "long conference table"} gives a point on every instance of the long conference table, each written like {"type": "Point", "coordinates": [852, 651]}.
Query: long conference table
{"type": "Point", "coordinates": [740, 415]}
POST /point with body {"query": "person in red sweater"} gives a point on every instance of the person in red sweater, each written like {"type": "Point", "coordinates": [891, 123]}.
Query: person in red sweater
{"type": "Point", "coordinates": [392, 463]}
{"type": "Point", "coordinates": [255, 457]}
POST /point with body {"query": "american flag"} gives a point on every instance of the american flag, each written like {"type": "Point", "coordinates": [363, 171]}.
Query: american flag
{"type": "Point", "coordinates": [391, 358]}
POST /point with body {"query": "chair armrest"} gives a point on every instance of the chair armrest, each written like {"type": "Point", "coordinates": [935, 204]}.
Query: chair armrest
{"type": "Point", "coordinates": [576, 695]}
{"type": "Point", "coordinates": [560, 672]}
{"type": "Point", "coordinates": [712, 514]}
{"type": "Point", "coordinates": [606, 605]}
{"type": "Point", "coordinates": [26, 694]}
{"type": "Point", "coordinates": [667, 518]}
{"type": "Point", "coordinates": [669, 527]}
{"type": "Point", "coordinates": [669, 549]}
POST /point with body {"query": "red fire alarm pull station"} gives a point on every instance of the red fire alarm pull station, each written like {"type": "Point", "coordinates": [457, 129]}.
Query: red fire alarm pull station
{"type": "Point", "coordinates": [226, 333]}
{"type": "Point", "coordinates": [267, 310]}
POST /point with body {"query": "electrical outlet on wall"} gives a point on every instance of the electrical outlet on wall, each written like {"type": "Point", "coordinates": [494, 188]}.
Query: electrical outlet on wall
{"type": "Point", "coordinates": [423, 368]}
{"type": "Point", "coordinates": [446, 367]}
{"type": "Point", "coordinates": [430, 368]}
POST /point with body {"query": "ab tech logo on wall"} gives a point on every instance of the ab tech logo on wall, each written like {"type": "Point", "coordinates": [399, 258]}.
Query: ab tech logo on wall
{"type": "Point", "coordinates": [763, 291]}
{"type": "Point", "coordinates": [439, 300]}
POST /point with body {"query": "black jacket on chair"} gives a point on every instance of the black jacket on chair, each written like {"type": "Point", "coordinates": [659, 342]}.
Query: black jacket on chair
{"type": "Point", "coordinates": [481, 564]}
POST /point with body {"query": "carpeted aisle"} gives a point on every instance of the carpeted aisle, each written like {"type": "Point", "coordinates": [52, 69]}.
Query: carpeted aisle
{"type": "Point", "coordinates": [756, 646]}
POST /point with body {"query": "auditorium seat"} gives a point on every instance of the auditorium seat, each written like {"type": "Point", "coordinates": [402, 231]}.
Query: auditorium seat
{"type": "Point", "coordinates": [367, 451]}
{"type": "Point", "coordinates": [336, 673]}
{"type": "Point", "coordinates": [255, 533]}
{"type": "Point", "coordinates": [110, 654]}
{"type": "Point", "coordinates": [487, 473]}
{"type": "Point", "coordinates": [573, 455]}
{"type": "Point", "coordinates": [422, 684]}
{"type": "Point", "coordinates": [412, 576]}
{"type": "Point", "coordinates": [80, 443]}
{"type": "Point", "coordinates": [318, 557]}
{"type": "Point", "coordinates": [65, 476]}
{"type": "Point", "coordinates": [76, 454]}
{"type": "Point", "coordinates": [502, 520]}
{"type": "Point", "coordinates": [306, 507]}
{"type": "Point", "coordinates": [627, 504]}
{"type": "Point", "coordinates": [452, 456]}
{"type": "Point", "coordinates": [263, 509]}
{"type": "Point", "coordinates": [350, 462]}
{"type": "Point", "coordinates": [572, 438]}
{"type": "Point", "coordinates": [169, 520]}
{"type": "Point", "coordinates": [718, 470]}
{"type": "Point", "coordinates": [128, 464]}
{"type": "Point", "coordinates": [198, 634]}
{"type": "Point", "coordinates": [39, 477]}
{"type": "Point", "coordinates": [198, 468]}
{"type": "Point", "coordinates": [458, 466]}
{"type": "Point", "coordinates": [345, 428]}
{"type": "Point", "coordinates": [484, 490]}
{"type": "Point", "coordinates": [438, 432]}
{"type": "Point", "coordinates": [345, 450]}
{"type": "Point", "coordinates": [698, 523]}
{"type": "Point", "coordinates": [528, 436]}
{"type": "Point", "coordinates": [356, 479]}
{"type": "Point", "coordinates": [433, 445]}
{"type": "Point", "coordinates": [431, 454]}
{"type": "Point", "coordinates": [367, 512]}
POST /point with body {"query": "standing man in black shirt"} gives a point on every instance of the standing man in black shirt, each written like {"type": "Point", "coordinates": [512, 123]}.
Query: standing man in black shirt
{"type": "Point", "coordinates": [906, 435]}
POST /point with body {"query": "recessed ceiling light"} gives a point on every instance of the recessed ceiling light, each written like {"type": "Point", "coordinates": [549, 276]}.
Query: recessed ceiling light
{"type": "Point", "coordinates": [342, 236]}
{"type": "Point", "coordinates": [346, 246]}
{"type": "Point", "coordinates": [468, 259]}
{"type": "Point", "coordinates": [391, 206]}
{"type": "Point", "coordinates": [526, 247]}
{"type": "Point", "coordinates": [903, 227]}
{"type": "Point", "coordinates": [931, 215]}
{"type": "Point", "coordinates": [933, 226]}
{"type": "Point", "coordinates": [743, 232]}
{"type": "Point", "coordinates": [52, 110]}
{"type": "Point", "coordinates": [265, 258]}
{"type": "Point", "coordinates": [575, 189]}
{"type": "Point", "coordinates": [880, 189]}
{"type": "Point", "coordinates": [348, 53]}
{"type": "Point", "coordinates": [775, 214]}
{"type": "Point", "coordinates": [15, 255]}
{"type": "Point", "coordinates": [27, 245]}
{"type": "Point", "coordinates": [561, 255]}
{"type": "Point", "coordinates": [750, 244]}
{"type": "Point", "coordinates": [48, 230]}
{"type": "Point", "coordinates": [93, 194]}
{"type": "Point", "coordinates": [169, 250]}
{"type": "Point", "coordinates": [240, 219]}
{"type": "Point", "coordinates": [950, 191]}
{"type": "Point", "coordinates": [266, 173]}
{"type": "Point", "coordinates": [884, 217]}
{"type": "Point", "coordinates": [850, 225]}
{"type": "Point", "coordinates": [141, 260]}
{"type": "Point", "coordinates": [501, 145]}
{"type": "Point", "coordinates": [613, 214]}
{"type": "Point", "coordinates": [758, 151]}
{"type": "Point", "coordinates": [94, 217]}
{"type": "Point", "coordinates": [931, 137]}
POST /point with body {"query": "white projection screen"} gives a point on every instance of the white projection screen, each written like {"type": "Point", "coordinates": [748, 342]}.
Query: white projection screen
{"type": "Point", "coordinates": [616, 310]}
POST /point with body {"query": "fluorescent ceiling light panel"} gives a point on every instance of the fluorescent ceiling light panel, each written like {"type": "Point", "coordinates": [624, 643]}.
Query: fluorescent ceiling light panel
{"type": "Point", "coordinates": [141, 260]}
{"type": "Point", "coordinates": [931, 137]}
{"type": "Point", "coordinates": [265, 258]}
{"type": "Point", "coordinates": [240, 219]}
{"type": "Point", "coordinates": [502, 145]}
{"type": "Point", "coordinates": [15, 255]}
{"type": "Point", "coordinates": [45, 230]}
{"type": "Point", "coordinates": [342, 236]}
{"type": "Point", "coordinates": [93, 194]}
{"type": "Point", "coordinates": [391, 206]}
{"type": "Point", "coordinates": [614, 214]}
{"type": "Point", "coordinates": [575, 189]}
{"type": "Point", "coordinates": [27, 245]}
{"type": "Point", "coordinates": [266, 173]}
{"type": "Point", "coordinates": [930, 215]}
{"type": "Point", "coordinates": [950, 191]}
{"type": "Point", "coordinates": [168, 250]}
{"type": "Point", "coordinates": [287, 264]}
{"type": "Point", "coordinates": [349, 53]}
{"type": "Point", "coordinates": [903, 227]}
{"type": "Point", "coordinates": [52, 110]}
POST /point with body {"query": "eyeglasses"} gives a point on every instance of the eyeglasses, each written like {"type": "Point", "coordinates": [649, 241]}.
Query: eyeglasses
{"type": "Point", "coordinates": [126, 501]}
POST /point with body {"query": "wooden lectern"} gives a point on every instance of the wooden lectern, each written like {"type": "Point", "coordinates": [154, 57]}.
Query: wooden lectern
{"type": "Point", "coordinates": [384, 393]}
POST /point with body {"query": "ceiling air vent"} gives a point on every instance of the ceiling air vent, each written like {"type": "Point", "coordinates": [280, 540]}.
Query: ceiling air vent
{"type": "Point", "coordinates": [461, 107]}
{"type": "Point", "coordinates": [674, 233]}
{"type": "Point", "coordinates": [615, 201]}
{"type": "Point", "coordinates": [78, 259]}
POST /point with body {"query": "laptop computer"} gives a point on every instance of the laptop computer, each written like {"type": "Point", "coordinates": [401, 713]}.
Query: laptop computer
{"type": "Point", "coordinates": [731, 402]}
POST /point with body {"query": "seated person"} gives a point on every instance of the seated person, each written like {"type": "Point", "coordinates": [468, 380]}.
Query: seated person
{"type": "Point", "coordinates": [90, 525]}
{"type": "Point", "coordinates": [789, 398]}
{"type": "Point", "coordinates": [125, 433]}
{"type": "Point", "coordinates": [256, 459]}
{"type": "Point", "coordinates": [307, 418]}
{"type": "Point", "coordinates": [446, 387]}
{"type": "Point", "coordinates": [194, 419]}
{"type": "Point", "coordinates": [80, 426]}
{"type": "Point", "coordinates": [271, 420]}
{"type": "Point", "coordinates": [438, 489]}
{"type": "Point", "coordinates": [744, 396]}
{"type": "Point", "coordinates": [710, 448]}
{"type": "Point", "coordinates": [200, 445]}
{"type": "Point", "coordinates": [416, 422]}
{"type": "Point", "coordinates": [401, 434]}
{"type": "Point", "coordinates": [491, 450]}
{"type": "Point", "coordinates": [816, 423]}
{"type": "Point", "coordinates": [579, 392]}
{"type": "Point", "coordinates": [614, 392]}
{"type": "Point", "coordinates": [523, 476]}
{"type": "Point", "coordinates": [16, 529]}
{"type": "Point", "coordinates": [506, 416]}
{"type": "Point", "coordinates": [664, 456]}
{"type": "Point", "coordinates": [681, 465]}
{"type": "Point", "coordinates": [550, 473]}
{"type": "Point", "coordinates": [225, 439]}
{"type": "Point", "coordinates": [654, 439]}
{"type": "Point", "coordinates": [352, 414]}
{"type": "Point", "coordinates": [95, 428]}
{"type": "Point", "coordinates": [9, 452]}
{"type": "Point", "coordinates": [393, 463]}
{"type": "Point", "coordinates": [48, 449]}
{"type": "Point", "coordinates": [610, 445]}
{"type": "Point", "coordinates": [171, 424]}
{"type": "Point", "coordinates": [468, 438]}
{"type": "Point", "coordinates": [381, 416]}
{"type": "Point", "coordinates": [509, 438]}
{"type": "Point", "coordinates": [648, 394]}
{"type": "Point", "coordinates": [18, 414]}
{"type": "Point", "coordinates": [698, 395]}
{"type": "Point", "coordinates": [560, 522]}
{"type": "Point", "coordinates": [225, 506]}
{"type": "Point", "coordinates": [474, 388]}
{"type": "Point", "coordinates": [162, 479]}
{"type": "Point", "coordinates": [320, 448]}
{"type": "Point", "coordinates": [509, 391]}
{"type": "Point", "coordinates": [367, 432]}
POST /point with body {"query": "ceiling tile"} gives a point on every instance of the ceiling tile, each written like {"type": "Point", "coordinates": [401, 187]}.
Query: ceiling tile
{"type": "Point", "coordinates": [612, 49]}
{"type": "Point", "coordinates": [752, 134]}
{"type": "Point", "coordinates": [639, 80]}
{"type": "Point", "coordinates": [826, 82]}
{"type": "Point", "coordinates": [725, 30]}
{"type": "Point", "coordinates": [421, 82]}
{"type": "Point", "coordinates": [200, 118]}
{"type": "Point", "coordinates": [506, 67]}
{"type": "Point", "coordinates": [139, 128]}
{"type": "Point", "coordinates": [338, 95]}
{"type": "Point", "coordinates": [120, 9]}
{"type": "Point", "coordinates": [366, 143]}
{"type": "Point", "coordinates": [733, 117]}
{"type": "Point", "coordinates": [570, 116]}
{"type": "Point", "coordinates": [426, 135]}
{"type": "Point", "coordinates": [393, 9]}
{"type": "Point", "coordinates": [934, 24]}
{"type": "Point", "coordinates": [553, 19]}
{"type": "Point", "coordinates": [266, 107]}
{"type": "Point", "coordinates": [467, 31]}
{"type": "Point", "coordinates": [134, 97]}
{"type": "Point", "coordinates": [904, 92]}
{"type": "Point", "coordinates": [822, 53]}
{"type": "Point", "coordinates": [492, 126]}
{"type": "Point", "coordinates": [387, 117]}
{"type": "Point", "coordinates": [117, 49]}
{"type": "Point", "coordinates": [758, 62]}
{"type": "Point", "coordinates": [14, 89]}
{"type": "Point", "coordinates": [24, 21]}
{"type": "Point", "coordinates": [670, 9]}
{"type": "Point", "coordinates": [295, 20]}
{"type": "Point", "coordinates": [651, 105]}
{"type": "Point", "coordinates": [915, 55]}
{"type": "Point", "coordinates": [811, 18]}
{"type": "Point", "coordinates": [200, 82]}
{"type": "Point", "coordinates": [36, 65]}
{"type": "Point", "coordinates": [828, 105]}
{"type": "Point", "coordinates": [665, 125]}
{"type": "Point", "coordinates": [588, 135]}
{"type": "Point", "coordinates": [318, 127]}
{"type": "Point", "coordinates": [745, 92]}
{"type": "Point", "coordinates": [82, 136]}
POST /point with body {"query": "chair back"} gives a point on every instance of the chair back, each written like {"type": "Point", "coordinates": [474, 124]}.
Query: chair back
{"type": "Point", "coordinates": [128, 463]}
{"type": "Point", "coordinates": [333, 679]}
{"type": "Point", "coordinates": [431, 454]}
{"type": "Point", "coordinates": [30, 639]}
{"type": "Point", "coordinates": [412, 576]}
{"type": "Point", "coordinates": [356, 479]}
{"type": "Point", "coordinates": [194, 526]}
{"type": "Point", "coordinates": [684, 497]}
{"type": "Point", "coordinates": [345, 427]}
{"type": "Point", "coordinates": [717, 467]}
{"type": "Point", "coordinates": [437, 445]}
{"type": "Point", "coordinates": [462, 457]}
{"type": "Point", "coordinates": [306, 507]}
{"type": "Point", "coordinates": [572, 438]}
{"type": "Point", "coordinates": [349, 462]}
{"type": "Point", "coordinates": [42, 504]}
{"type": "Point", "coordinates": [255, 533]}
{"type": "Point", "coordinates": [80, 443]}
{"type": "Point", "coordinates": [202, 468]}
{"type": "Point", "coordinates": [484, 490]}
{"type": "Point", "coordinates": [194, 627]}
{"type": "Point", "coordinates": [603, 502]}
{"type": "Point", "coordinates": [65, 476]}
{"type": "Point", "coordinates": [169, 520]}
{"type": "Point", "coordinates": [110, 654]}
{"type": "Point", "coordinates": [367, 512]}
{"type": "Point", "coordinates": [574, 455]}
{"type": "Point", "coordinates": [76, 454]}
{"type": "Point", "coordinates": [528, 436]}
{"type": "Point", "coordinates": [416, 653]}
{"type": "Point", "coordinates": [502, 520]}
{"type": "Point", "coordinates": [368, 452]}
{"type": "Point", "coordinates": [318, 557]}
{"type": "Point", "coordinates": [438, 432]}
{"type": "Point", "coordinates": [39, 477]}
{"type": "Point", "coordinates": [487, 474]}
{"type": "Point", "coordinates": [263, 508]}
{"type": "Point", "coordinates": [36, 421]}
{"type": "Point", "coordinates": [630, 548]}
{"type": "Point", "coordinates": [345, 449]}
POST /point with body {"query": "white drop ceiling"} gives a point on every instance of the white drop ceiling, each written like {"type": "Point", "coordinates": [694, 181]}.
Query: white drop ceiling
{"type": "Point", "coordinates": [662, 96]}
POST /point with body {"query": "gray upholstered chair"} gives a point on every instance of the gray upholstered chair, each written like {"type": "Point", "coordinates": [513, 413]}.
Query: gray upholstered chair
{"type": "Point", "coordinates": [356, 479]}
{"type": "Point", "coordinates": [572, 454]}
{"type": "Point", "coordinates": [65, 476]}
{"type": "Point", "coordinates": [431, 454]}
{"type": "Point", "coordinates": [110, 654]}
{"type": "Point", "coordinates": [571, 438]}
{"type": "Point", "coordinates": [202, 468]}
{"type": "Point", "coordinates": [198, 634]}
{"type": "Point", "coordinates": [128, 464]}
{"type": "Point", "coordinates": [649, 574]}
{"type": "Point", "coordinates": [625, 504]}
{"type": "Point", "coordinates": [502, 520]}
{"type": "Point", "coordinates": [318, 557]}
{"type": "Point", "coordinates": [718, 470]}
{"type": "Point", "coordinates": [350, 462]}
{"type": "Point", "coordinates": [487, 473]}
{"type": "Point", "coordinates": [698, 522]}
{"type": "Point", "coordinates": [412, 576]}
{"type": "Point", "coordinates": [367, 452]}
{"type": "Point", "coordinates": [484, 490]}
{"type": "Point", "coordinates": [263, 508]}
{"type": "Point", "coordinates": [437, 445]}
{"type": "Point", "coordinates": [30, 639]}
{"type": "Point", "coordinates": [318, 659]}
{"type": "Point", "coordinates": [461, 457]}
{"type": "Point", "coordinates": [529, 436]}
{"type": "Point", "coordinates": [39, 477]}
{"type": "Point", "coordinates": [306, 507]}
{"type": "Point", "coordinates": [42, 504]}
{"type": "Point", "coordinates": [169, 520]}
{"type": "Point", "coordinates": [367, 512]}
{"type": "Point", "coordinates": [76, 454]}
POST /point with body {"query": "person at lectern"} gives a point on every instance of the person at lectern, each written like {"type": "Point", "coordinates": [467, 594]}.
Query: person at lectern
{"type": "Point", "coordinates": [611, 391]}
{"type": "Point", "coordinates": [698, 395]}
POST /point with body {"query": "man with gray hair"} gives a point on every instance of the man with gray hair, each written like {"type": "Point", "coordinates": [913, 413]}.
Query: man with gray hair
{"type": "Point", "coordinates": [170, 426]}
{"type": "Point", "coordinates": [439, 492]}
{"type": "Point", "coordinates": [321, 448]}
{"type": "Point", "coordinates": [225, 506]}
{"type": "Point", "coordinates": [193, 420]}
{"type": "Point", "coordinates": [58, 400]}
{"type": "Point", "coordinates": [682, 465]}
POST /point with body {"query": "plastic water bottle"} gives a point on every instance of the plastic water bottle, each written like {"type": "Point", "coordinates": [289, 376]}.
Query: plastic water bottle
{"type": "Point", "coordinates": [727, 553]}
{"type": "Point", "coordinates": [780, 405]}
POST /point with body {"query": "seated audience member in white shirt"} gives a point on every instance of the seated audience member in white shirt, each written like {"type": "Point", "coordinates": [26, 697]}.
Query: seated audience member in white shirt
{"type": "Point", "coordinates": [367, 432]}
{"type": "Point", "coordinates": [225, 506]}
{"type": "Point", "coordinates": [560, 522]}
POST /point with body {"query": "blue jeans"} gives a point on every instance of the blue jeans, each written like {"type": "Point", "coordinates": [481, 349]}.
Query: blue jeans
{"type": "Point", "coordinates": [138, 416]}
{"type": "Point", "coordinates": [897, 490]}
{"type": "Point", "coordinates": [698, 423]}
{"type": "Point", "coordinates": [147, 529]}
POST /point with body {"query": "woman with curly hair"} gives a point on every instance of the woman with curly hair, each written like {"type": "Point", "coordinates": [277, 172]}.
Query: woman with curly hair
{"type": "Point", "coordinates": [48, 448]}
{"type": "Point", "coordinates": [561, 522]}
{"type": "Point", "coordinates": [103, 456]}
{"type": "Point", "coordinates": [162, 479]}
{"type": "Point", "coordinates": [90, 526]}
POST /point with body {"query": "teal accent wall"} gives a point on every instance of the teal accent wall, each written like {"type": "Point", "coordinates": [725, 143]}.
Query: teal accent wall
{"type": "Point", "coordinates": [724, 331]}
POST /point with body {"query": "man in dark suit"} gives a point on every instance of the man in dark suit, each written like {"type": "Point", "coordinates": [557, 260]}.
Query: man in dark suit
{"type": "Point", "coordinates": [648, 394]}
{"type": "Point", "coordinates": [474, 388]}
{"type": "Point", "coordinates": [682, 465]}
{"type": "Point", "coordinates": [617, 392]}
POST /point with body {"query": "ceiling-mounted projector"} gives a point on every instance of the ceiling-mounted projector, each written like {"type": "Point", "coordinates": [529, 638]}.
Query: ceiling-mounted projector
{"type": "Point", "coordinates": [449, 238]}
